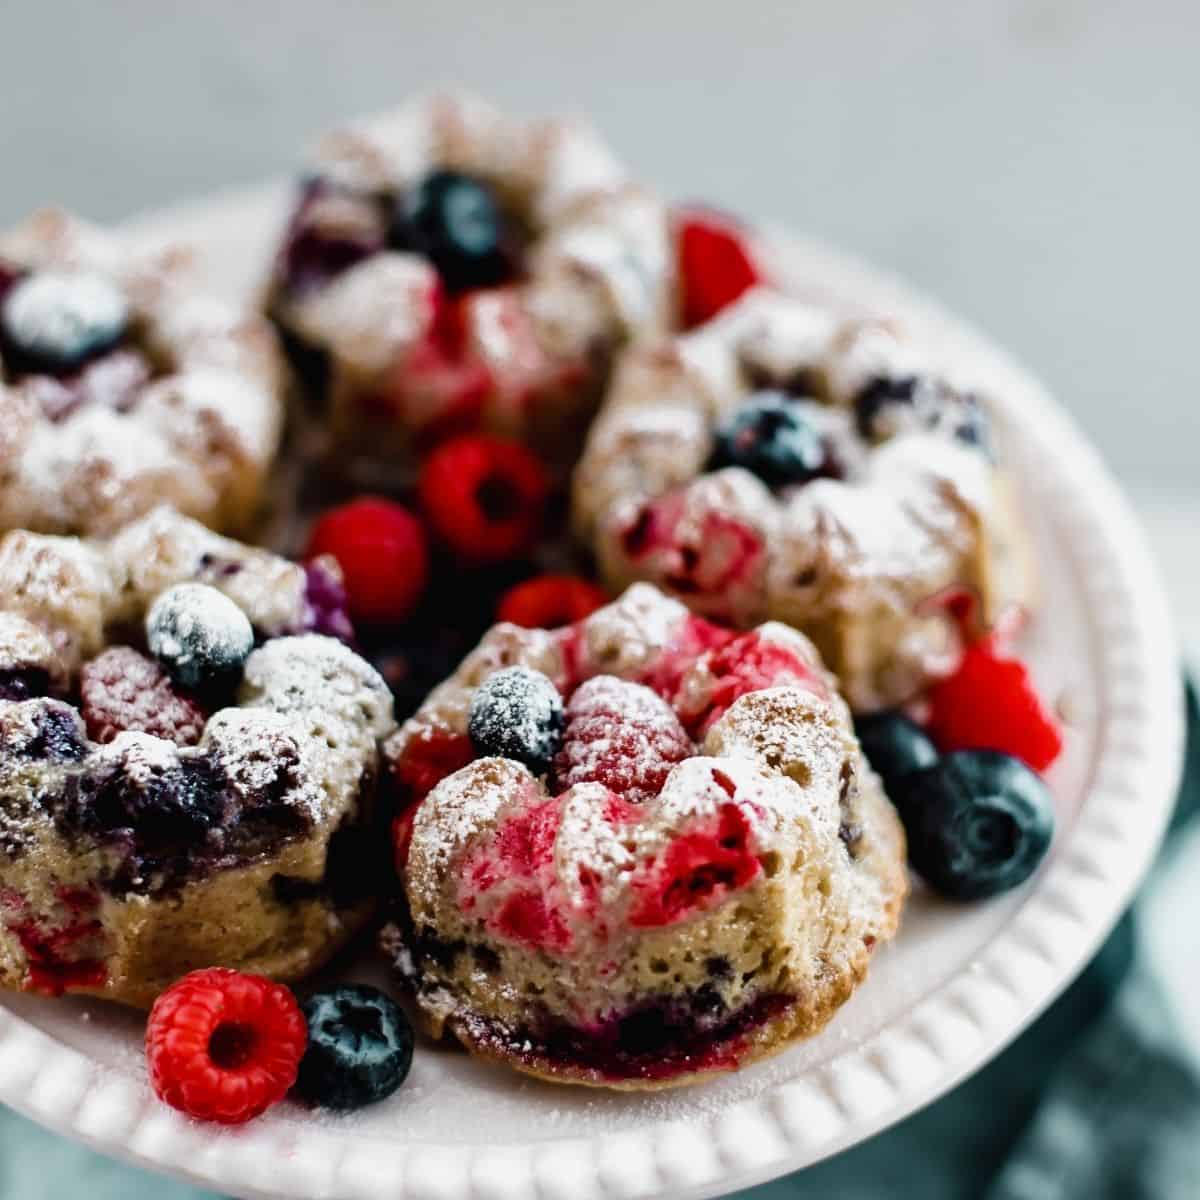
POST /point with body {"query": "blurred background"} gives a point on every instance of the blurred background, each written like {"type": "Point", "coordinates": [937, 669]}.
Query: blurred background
{"type": "Point", "coordinates": [1033, 164]}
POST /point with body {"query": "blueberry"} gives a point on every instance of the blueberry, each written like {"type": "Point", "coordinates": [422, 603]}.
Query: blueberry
{"type": "Point", "coordinates": [55, 321]}
{"type": "Point", "coordinates": [978, 822]}
{"type": "Point", "coordinates": [199, 635]}
{"type": "Point", "coordinates": [771, 436]}
{"type": "Point", "coordinates": [517, 713]}
{"type": "Point", "coordinates": [894, 744]}
{"type": "Point", "coordinates": [886, 405]}
{"type": "Point", "coordinates": [360, 1048]}
{"type": "Point", "coordinates": [457, 223]}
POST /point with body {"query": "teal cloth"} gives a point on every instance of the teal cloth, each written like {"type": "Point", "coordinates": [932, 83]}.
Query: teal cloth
{"type": "Point", "coordinates": [1095, 1101]}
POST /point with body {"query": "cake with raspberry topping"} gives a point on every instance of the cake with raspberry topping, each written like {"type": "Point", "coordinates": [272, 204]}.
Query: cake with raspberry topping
{"type": "Point", "coordinates": [122, 387]}
{"type": "Point", "coordinates": [188, 761]}
{"type": "Point", "coordinates": [448, 267]}
{"type": "Point", "coordinates": [638, 850]}
{"type": "Point", "coordinates": [780, 462]}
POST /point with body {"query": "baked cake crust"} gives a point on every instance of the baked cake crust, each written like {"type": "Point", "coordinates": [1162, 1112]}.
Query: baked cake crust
{"type": "Point", "coordinates": [129, 860]}
{"type": "Point", "coordinates": [597, 271]}
{"type": "Point", "coordinates": [575, 958]}
{"type": "Point", "coordinates": [856, 557]}
{"type": "Point", "coordinates": [185, 410]}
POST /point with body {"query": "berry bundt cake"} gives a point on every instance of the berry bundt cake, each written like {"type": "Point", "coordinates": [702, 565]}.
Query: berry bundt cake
{"type": "Point", "coordinates": [448, 268]}
{"type": "Point", "coordinates": [639, 849]}
{"type": "Point", "coordinates": [188, 761]}
{"type": "Point", "coordinates": [122, 388]}
{"type": "Point", "coordinates": [781, 463]}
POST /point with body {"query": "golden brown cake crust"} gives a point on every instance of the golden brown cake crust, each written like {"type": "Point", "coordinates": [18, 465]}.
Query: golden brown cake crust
{"type": "Point", "coordinates": [196, 425]}
{"type": "Point", "coordinates": [126, 859]}
{"type": "Point", "coordinates": [910, 508]}
{"type": "Point", "coordinates": [775, 801]}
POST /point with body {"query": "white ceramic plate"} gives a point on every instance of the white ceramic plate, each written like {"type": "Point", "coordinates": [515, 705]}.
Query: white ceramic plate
{"type": "Point", "coordinates": [957, 985]}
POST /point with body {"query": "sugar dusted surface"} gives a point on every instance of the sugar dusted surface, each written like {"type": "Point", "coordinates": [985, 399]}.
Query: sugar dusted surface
{"type": "Point", "coordinates": [200, 436]}
{"type": "Point", "coordinates": [908, 517]}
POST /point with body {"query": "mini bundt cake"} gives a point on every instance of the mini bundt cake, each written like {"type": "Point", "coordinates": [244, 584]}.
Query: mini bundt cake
{"type": "Point", "coordinates": [782, 463]}
{"type": "Point", "coordinates": [448, 267]}
{"type": "Point", "coordinates": [122, 387]}
{"type": "Point", "coordinates": [188, 761]}
{"type": "Point", "coordinates": [638, 850]}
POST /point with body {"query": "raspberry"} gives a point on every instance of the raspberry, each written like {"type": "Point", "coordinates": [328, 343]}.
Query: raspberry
{"type": "Point", "coordinates": [222, 1046]}
{"type": "Point", "coordinates": [426, 760]}
{"type": "Point", "coordinates": [622, 735]}
{"type": "Point", "coordinates": [549, 601]}
{"type": "Point", "coordinates": [715, 265]}
{"type": "Point", "coordinates": [122, 690]}
{"type": "Point", "coordinates": [748, 664]}
{"type": "Point", "coordinates": [484, 496]}
{"type": "Point", "coordinates": [381, 548]}
{"type": "Point", "coordinates": [990, 703]}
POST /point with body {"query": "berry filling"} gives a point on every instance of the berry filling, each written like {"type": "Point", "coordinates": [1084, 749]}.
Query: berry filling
{"type": "Point", "coordinates": [64, 952]}
{"type": "Point", "coordinates": [327, 607]}
{"type": "Point", "coordinates": [711, 556]}
{"type": "Point", "coordinates": [697, 870]}
{"type": "Point", "coordinates": [656, 1040]}
{"type": "Point", "coordinates": [749, 663]}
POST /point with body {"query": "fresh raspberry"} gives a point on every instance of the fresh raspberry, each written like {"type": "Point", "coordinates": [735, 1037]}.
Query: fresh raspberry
{"type": "Point", "coordinates": [223, 1046]}
{"type": "Point", "coordinates": [990, 703]}
{"type": "Point", "coordinates": [121, 690]}
{"type": "Point", "coordinates": [622, 735]}
{"type": "Point", "coordinates": [715, 264]}
{"type": "Point", "coordinates": [426, 760]}
{"type": "Point", "coordinates": [382, 550]}
{"type": "Point", "coordinates": [550, 601]}
{"type": "Point", "coordinates": [484, 496]}
{"type": "Point", "coordinates": [748, 664]}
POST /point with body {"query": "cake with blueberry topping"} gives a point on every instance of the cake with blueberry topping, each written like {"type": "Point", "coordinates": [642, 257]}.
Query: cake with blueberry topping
{"type": "Point", "coordinates": [448, 267]}
{"type": "Point", "coordinates": [638, 850]}
{"type": "Point", "coordinates": [780, 462]}
{"type": "Point", "coordinates": [122, 387]}
{"type": "Point", "coordinates": [188, 761]}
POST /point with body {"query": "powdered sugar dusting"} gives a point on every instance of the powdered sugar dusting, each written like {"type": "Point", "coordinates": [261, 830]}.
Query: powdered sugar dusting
{"type": "Point", "coordinates": [913, 511]}
{"type": "Point", "coordinates": [204, 446]}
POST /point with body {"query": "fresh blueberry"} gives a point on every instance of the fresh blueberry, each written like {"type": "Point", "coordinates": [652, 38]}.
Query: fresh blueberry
{"type": "Point", "coordinates": [517, 713]}
{"type": "Point", "coordinates": [978, 822]}
{"type": "Point", "coordinates": [457, 223]}
{"type": "Point", "coordinates": [894, 744]}
{"type": "Point", "coordinates": [360, 1048]}
{"type": "Point", "coordinates": [199, 635]}
{"type": "Point", "coordinates": [771, 436]}
{"type": "Point", "coordinates": [970, 423]}
{"type": "Point", "coordinates": [332, 229]}
{"type": "Point", "coordinates": [55, 321]}
{"type": "Point", "coordinates": [885, 405]}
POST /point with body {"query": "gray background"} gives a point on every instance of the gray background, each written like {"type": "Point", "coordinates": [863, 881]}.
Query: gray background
{"type": "Point", "coordinates": [1034, 163]}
